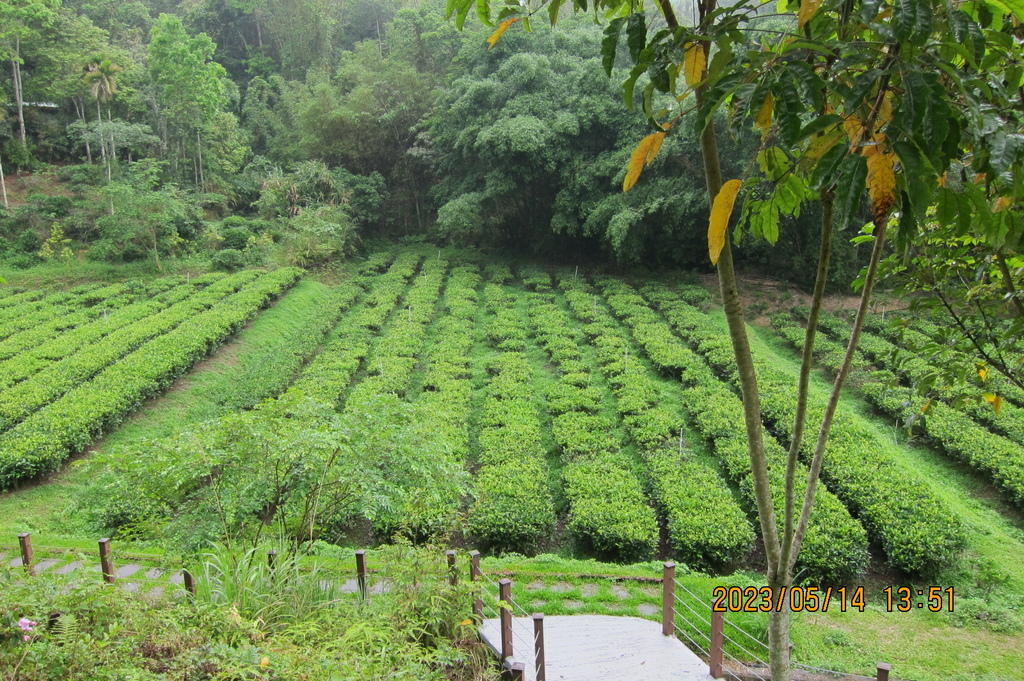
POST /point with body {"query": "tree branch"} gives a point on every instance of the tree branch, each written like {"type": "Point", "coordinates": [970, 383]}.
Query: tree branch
{"type": "Point", "coordinates": [827, 197]}
{"type": "Point", "coordinates": [881, 224]}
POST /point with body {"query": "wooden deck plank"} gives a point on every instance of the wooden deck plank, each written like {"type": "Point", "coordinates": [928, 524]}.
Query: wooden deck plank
{"type": "Point", "coordinates": [601, 648]}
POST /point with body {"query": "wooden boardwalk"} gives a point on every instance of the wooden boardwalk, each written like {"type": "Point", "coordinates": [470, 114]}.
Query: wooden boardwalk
{"type": "Point", "coordinates": [600, 648]}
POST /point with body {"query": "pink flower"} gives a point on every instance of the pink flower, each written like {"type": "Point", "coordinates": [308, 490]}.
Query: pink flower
{"type": "Point", "coordinates": [26, 637]}
{"type": "Point", "coordinates": [25, 624]}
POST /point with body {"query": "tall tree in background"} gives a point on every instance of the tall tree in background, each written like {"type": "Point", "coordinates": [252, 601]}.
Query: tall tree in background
{"type": "Point", "coordinates": [191, 99]}
{"type": "Point", "coordinates": [853, 97]}
{"type": "Point", "coordinates": [21, 23]}
{"type": "Point", "coordinates": [102, 81]}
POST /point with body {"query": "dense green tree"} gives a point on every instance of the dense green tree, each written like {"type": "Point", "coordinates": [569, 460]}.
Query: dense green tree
{"type": "Point", "coordinates": [531, 141]}
{"type": "Point", "coordinates": [192, 101]}
{"type": "Point", "coordinates": [22, 25]}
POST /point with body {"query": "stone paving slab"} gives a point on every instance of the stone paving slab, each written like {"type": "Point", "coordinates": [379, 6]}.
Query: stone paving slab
{"type": "Point", "coordinates": [601, 648]}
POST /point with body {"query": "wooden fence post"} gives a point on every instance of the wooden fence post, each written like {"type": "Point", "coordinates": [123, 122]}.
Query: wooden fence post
{"type": "Point", "coordinates": [517, 671]}
{"type": "Point", "coordinates": [190, 581]}
{"type": "Point", "coordinates": [668, 599]}
{"type": "Point", "coordinates": [361, 572]}
{"type": "Point", "coordinates": [538, 646]}
{"type": "Point", "coordinates": [106, 564]}
{"type": "Point", "coordinates": [505, 594]}
{"type": "Point", "coordinates": [25, 540]}
{"type": "Point", "coordinates": [717, 640]}
{"type": "Point", "coordinates": [474, 576]}
{"type": "Point", "coordinates": [882, 671]}
{"type": "Point", "coordinates": [453, 569]}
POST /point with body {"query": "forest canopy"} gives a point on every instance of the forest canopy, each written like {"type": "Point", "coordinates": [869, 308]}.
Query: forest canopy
{"type": "Point", "coordinates": [156, 128]}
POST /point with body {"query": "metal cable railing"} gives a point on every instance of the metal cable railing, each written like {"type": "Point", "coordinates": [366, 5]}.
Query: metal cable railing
{"type": "Point", "coordinates": [681, 604]}
{"type": "Point", "coordinates": [515, 637]}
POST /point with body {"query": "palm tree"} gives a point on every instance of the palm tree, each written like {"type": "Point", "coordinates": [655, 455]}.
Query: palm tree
{"type": "Point", "coordinates": [100, 79]}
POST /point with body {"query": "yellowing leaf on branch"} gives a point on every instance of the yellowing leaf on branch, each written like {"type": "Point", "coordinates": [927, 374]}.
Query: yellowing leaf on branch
{"type": "Point", "coordinates": [995, 400]}
{"type": "Point", "coordinates": [884, 110]}
{"type": "Point", "coordinates": [854, 129]}
{"type": "Point", "coordinates": [763, 122]}
{"type": "Point", "coordinates": [1001, 204]}
{"type": "Point", "coordinates": [882, 183]}
{"type": "Point", "coordinates": [924, 409]}
{"type": "Point", "coordinates": [983, 372]}
{"type": "Point", "coordinates": [721, 211]}
{"type": "Point", "coordinates": [502, 27]}
{"type": "Point", "coordinates": [642, 156]}
{"type": "Point", "coordinates": [694, 62]}
{"type": "Point", "coordinates": [808, 8]}
{"type": "Point", "coordinates": [819, 146]}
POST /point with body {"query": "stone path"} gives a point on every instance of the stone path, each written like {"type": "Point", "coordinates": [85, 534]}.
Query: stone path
{"type": "Point", "coordinates": [600, 648]}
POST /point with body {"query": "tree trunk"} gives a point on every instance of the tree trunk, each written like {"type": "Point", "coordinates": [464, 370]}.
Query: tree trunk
{"type": "Point", "coordinates": [99, 132]}
{"type": "Point", "coordinates": [778, 574]}
{"type": "Point", "coordinates": [199, 151]}
{"type": "Point", "coordinates": [113, 144]}
{"type": "Point", "coordinates": [3, 184]}
{"type": "Point", "coordinates": [18, 94]}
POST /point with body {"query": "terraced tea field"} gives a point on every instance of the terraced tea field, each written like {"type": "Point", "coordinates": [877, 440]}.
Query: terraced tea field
{"type": "Point", "coordinates": [595, 413]}
{"type": "Point", "coordinates": [595, 416]}
{"type": "Point", "coordinates": [591, 411]}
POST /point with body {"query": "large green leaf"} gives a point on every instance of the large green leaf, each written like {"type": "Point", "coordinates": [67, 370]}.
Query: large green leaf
{"type": "Point", "coordinates": [610, 43]}
{"type": "Point", "coordinates": [853, 173]}
{"type": "Point", "coordinates": [636, 35]}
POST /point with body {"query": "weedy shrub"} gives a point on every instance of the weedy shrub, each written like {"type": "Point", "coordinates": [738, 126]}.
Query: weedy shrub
{"type": "Point", "coordinates": [247, 622]}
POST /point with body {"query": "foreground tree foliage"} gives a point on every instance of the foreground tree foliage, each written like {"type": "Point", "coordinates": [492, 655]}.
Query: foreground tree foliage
{"type": "Point", "coordinates": [852, 97]}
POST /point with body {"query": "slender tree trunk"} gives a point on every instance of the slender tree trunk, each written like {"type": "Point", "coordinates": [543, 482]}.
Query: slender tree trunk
{"type": "Point", "coordinates": [80, 112]}
{"type": "Point", "coordinates": [18, 94]}
{"type": "Point", "coordinates": [103, 144]}
{"type": "Point", "coordinates": [113, 146]}
{"type": "Point", "coordinates": [779, 576]}
{"type": "Point", "coordinates": [156, 251]}
{"type": "Point", "coordinates": [827, 198]}
{"type": "Point", "coordinates": [3, 184]}
{"type": "Point", "coordinates": [199, 150]}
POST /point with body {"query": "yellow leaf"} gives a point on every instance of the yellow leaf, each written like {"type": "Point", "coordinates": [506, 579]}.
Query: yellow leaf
{"type": "Point", "coordinates": [502, 27]}
{"type": "Point", "coordinates": [763, 122]}
{"type": "Point", "coordinates": [942, 180]}
{"type": "Point", "coordinates": [466, 623]}
{"type": "Point", "coordinates": [995, 400]}
{"type": "Point", "coordinates": [819, 146]}
{"type": "Point", "coordinates": [721, 211]}
{"type": "Point", "coordinates": [927, 404]}
{"type": "Point", "coordinates": [265, 662]}
{"type": "Point", "coordinates": [1001, 204]}
{"type": "Point", "coordinates": [884, 111]}
{"type": "Point", "coordinates": [808, 8]}
{"type": "Point", "coordinates": [983, 372]}
{"type": "Point", "coordinates": [659, 139]}
{"type": "Point", "coordinates": [882, 183]}
{"type": "Point", "coordinates": [642, 156]}
{"type": "Point", "coordinates": [694, 61]}
{"type": "Point", "coordinates": [854, 129]}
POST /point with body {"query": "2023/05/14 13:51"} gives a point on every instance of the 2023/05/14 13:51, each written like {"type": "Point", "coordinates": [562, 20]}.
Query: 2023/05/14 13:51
{"type": "Point", "coordinates": [820, 599]}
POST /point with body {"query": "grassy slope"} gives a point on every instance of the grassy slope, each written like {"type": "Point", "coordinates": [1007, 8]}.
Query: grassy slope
{"type": "Point", "coordinates": [195, 397]}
